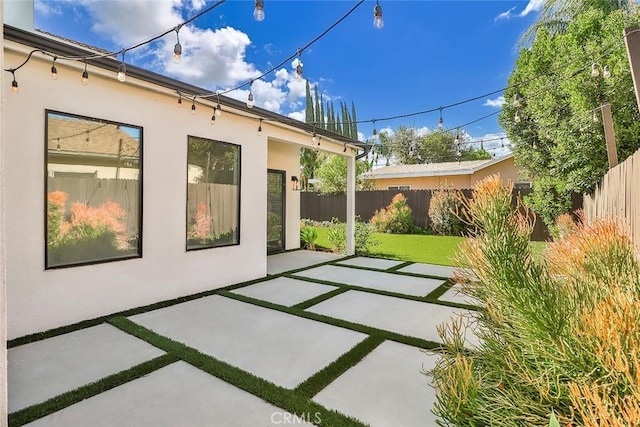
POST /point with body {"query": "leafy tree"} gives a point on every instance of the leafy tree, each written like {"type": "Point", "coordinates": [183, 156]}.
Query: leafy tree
{"type": "Point", "coordinates": [554, 137]}
{"type": "Point", "coordinates": [333, 174]}
{"type": "Point", "coordinates": [407, 147]}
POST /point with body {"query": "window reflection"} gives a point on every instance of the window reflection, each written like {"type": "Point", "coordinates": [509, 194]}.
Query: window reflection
{"type": "Point", "coordinates": [213, 193]}
{"type": "Point", "coordinates": [93, 190]}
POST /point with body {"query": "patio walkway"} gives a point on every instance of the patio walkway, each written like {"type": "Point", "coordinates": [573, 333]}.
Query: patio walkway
{"type": "Point", "coordinates": [350, 335]}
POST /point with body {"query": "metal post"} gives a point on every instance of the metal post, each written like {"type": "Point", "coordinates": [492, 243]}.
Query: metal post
{"type": "Point", "coordinates": [351, 204]}
{"type": "Point", "coordinates": [609, 134]}
{"type": "Point", "coordinates": [632, 41]}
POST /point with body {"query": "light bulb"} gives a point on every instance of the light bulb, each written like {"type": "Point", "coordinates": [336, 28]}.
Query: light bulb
{"type": "Point", "coordinates": [595, 117]}
{"type": "Point", "coordinates": [516, 100]}
{"type": "Point", "coordinates": [594, 70]}
{"type": "Point", "coordinates": [516, 118]}
{"type": "Point", "coordinates": [193, 108]}
{"type": "Point", "coordinates": [177, 52]}
{"type": "Point", "coordinates": [213, 119]}
{"type": "Point", "coordinates": [314, 138]}
{"type": "Point", "coordinates": [441, 123]}
{"type": "Point", "coordinates": [54, 72]}
{"type": "Point", "coordinates": [85, 78]}
{"type": "Point", "coordinates": [258, 12]}
{"type": "Point", "coordinates": [122, 73]}
{"type": "Point", "coordinates": [259, 130]}
{"type": "Point", "coordinates": [299, 72]}
{"type": "Point", "coordinates": [218, 110]}
{"type": "Point", "coordinates": [606, 73]}
{"type": "Point", "coordinates": [250, 102]}
{"type": "Point", "coordinates": [14, 86]}
{"type": "Point", "coordinates": [378, 23]}
{"type": "Point", "coordinates": [180, 102]}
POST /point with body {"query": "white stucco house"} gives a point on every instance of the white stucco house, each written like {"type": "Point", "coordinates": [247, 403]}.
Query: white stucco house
{"type": "Point", "coordinates": [87, 148]}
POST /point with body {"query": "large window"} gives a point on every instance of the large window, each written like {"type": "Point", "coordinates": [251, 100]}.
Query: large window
{"type": "Point", "coordinates": [93, 190]}
{"type": "Point", "coordinates": [213, 193]}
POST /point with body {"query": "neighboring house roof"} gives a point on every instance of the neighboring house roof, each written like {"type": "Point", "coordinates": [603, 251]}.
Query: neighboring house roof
{"type": "Point", "coordinates": [65, 47]}
{"type": "Point", "coordinates": [468, 167]}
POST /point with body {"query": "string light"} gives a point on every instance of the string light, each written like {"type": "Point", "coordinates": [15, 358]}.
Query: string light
{"type": "Point", "coordinates": [595, 72]}
{"type": "Point", "coordinates": [344, 150]}
{"type": "Point", "coordinates": [595, 117]}
{"type": "Point", "coordinates": [260, 127]}
{"type": "Point", "coordinates": [14, 83]}
{"type": "Point", "coordinates": [179, 100]}
{"type": "Point", "coordinates": [213, 117]}
{"type": "Point", "coordinates": [193, 106]}
{"type": "Point", "coordinates": [122, 70]}
{"type": "Point", "coordinates": [218, 107]}
{"type": "Point", "coordinates": [375, 131]}
{"type": "Point", "coordinates": [516, 101]}
{"type": "Point", "coordinates": [85, 74]}
{"type": "Point", "coordinates": [258, 11]}
{"type": "Point", "coordinates": [378, 23]}
{"type": "Point", "coordinates": [54, 70]}
{"type": "Point", "coordinates": [250, 102]}
{"type": "Point", "coordinates": [314, 137]}
{"type": "Point", "coordinates": [606, 73]}
{"type": "Point", "coordinates": [516, 117]}
{"type": "Point", "coordinates": [177, 49]}
{"type": "Point", "coordinates": [299, 67]}
{"type": "Point", "coordinates": [440, 120]}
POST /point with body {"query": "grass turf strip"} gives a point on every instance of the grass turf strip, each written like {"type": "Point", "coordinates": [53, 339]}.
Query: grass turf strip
{"type": "Point", "coordinates": [293, 401]}
{"type": "Point", "coordinates": [66, 399]}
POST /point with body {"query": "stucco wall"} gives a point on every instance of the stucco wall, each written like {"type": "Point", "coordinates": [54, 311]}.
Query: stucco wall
{"type": "Point", "coordinates": [507, 170]}
{"type": "Point", "coordinates": [39, 300]}
{"type": "Point", "coordinates": [286, 157]}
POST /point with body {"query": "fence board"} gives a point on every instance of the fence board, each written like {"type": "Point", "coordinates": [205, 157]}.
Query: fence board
{"type": "Point", "coordinates": [324, 207]}
{"type": "Point", "coordinates": [616, 197]}
{"type": "Point", "coordinates": [221, 200]}
{"type": "Point", "coordinates": [94, 192]}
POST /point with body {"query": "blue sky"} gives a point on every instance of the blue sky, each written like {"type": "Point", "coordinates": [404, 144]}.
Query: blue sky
{"type": "Point", "coordinates": [428, 54]}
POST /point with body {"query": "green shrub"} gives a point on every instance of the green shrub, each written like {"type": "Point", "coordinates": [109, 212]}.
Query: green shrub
{"type": "Point", "coordinates": [308, 237]}
{"type": "Point", "coordinates": [443, 211]}
{"type": "Point", "coordinates": [364, 239]}
{"type": "Point", "coordinates": [558, 336]}
{"type": "Point", "coordinates": [395, 218]}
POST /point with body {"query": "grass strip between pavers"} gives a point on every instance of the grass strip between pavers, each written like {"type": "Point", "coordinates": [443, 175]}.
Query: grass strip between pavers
{"type": "Point", "coordinates": [34, 412]}
{"type": "Point", "coordinates": [387, 335]}
{"type": "Point", "coordinates": [320, 298]}
{"type": "Point", "coordinates": [399, 266]}
{"type": "Point", "coordinates": [324, 377]}
{"type": "Point", "coordinates": [286, 399]}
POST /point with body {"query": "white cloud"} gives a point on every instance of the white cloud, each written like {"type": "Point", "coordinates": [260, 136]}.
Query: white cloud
{"type": "Point", "coordinates": [532, 6]}
{"type": "Point", "coordinates": [422, 131]}
{"type": "Point", "coordinates": [497, 102]}
{"type": "Point", "coordinates": [298, 115]}
{"type": "Point", "coordinates": [505, 15]}
{"type": "Point", "coordinates": [361, 136]}
{"type": "Point", "coordinates": [211, 58]}
{"type": "Point", "coordinates": [46, 9]}
{"type": "Point", "coordinates": [388, 130]}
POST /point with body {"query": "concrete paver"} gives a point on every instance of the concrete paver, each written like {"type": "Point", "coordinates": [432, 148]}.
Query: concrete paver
{"type": "Point", "coordinates": [386, 389]}
{"type": "Point", "coordinates": [416, 286]}
{"type": "Point", "coordinates": [455, 295]}
{"type": "Point", "coordinates": [412, 318]}
{"type": "Point", "coordinates": [278, 347]}
{"type": "Point", "coordinates": [284, 291]}
{"type": "Point", "coordinates": [44, 369]}
{"type": "Point", "coordinates": [176, 395]}
{"type": "Point", "coordinates": [429, 270]}
{"type": "Point", "coordinates": [379, 263]}
{"type": "Point", "coordinates": [287, 261]}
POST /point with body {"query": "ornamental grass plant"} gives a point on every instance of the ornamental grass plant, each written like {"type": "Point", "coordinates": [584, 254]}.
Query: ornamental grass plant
{"type": "Point", "coordinates": [560, 335]}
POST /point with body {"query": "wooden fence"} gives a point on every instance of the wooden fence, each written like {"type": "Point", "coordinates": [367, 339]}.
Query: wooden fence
{"type": "Point", "coordinates": [94, 192]}
{"type": "Point", "coordinates": [220, 199]}
{"type": "Point", "coordinates": [617, 196]}
{"type": "Point", "coordinates": [222, 202]}
{"type": "Point", "coordinates": [319, 207]}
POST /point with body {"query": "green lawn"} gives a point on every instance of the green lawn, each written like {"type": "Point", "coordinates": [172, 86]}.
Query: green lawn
{"type": "Point", "coordinates": [416, 247]}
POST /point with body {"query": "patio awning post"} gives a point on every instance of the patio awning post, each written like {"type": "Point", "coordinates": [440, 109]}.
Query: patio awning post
{"type": "Point", "coordinates": [351, 204]}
